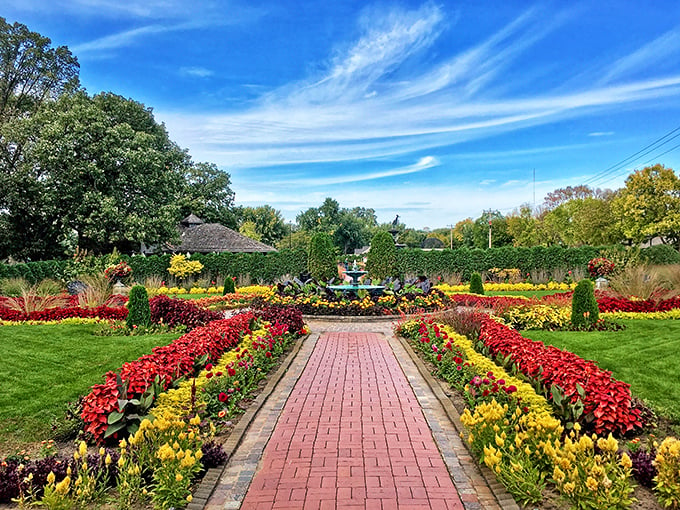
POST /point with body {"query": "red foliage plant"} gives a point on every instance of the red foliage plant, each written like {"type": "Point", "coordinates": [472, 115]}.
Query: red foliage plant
{"type": "Point", "coordinates": [167, 362]}
{"type": "Point", "coordinates": [607, 402]}
{"type": "Point", "coordinates": [174, 312]}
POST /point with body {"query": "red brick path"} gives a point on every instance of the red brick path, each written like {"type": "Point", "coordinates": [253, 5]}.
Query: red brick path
{"type": "Point", "coordinates": [352, 435]}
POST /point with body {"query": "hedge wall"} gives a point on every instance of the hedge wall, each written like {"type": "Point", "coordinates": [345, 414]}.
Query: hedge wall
{"type": "Point", "coordinates": [410, 261]}
{"type": "Point", "coordinates": [465, 261]}
{"type": "Point", "coordinates": [261, 267]}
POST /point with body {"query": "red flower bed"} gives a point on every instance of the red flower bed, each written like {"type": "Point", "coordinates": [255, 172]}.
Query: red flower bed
{"type": "Point", "coordinates": [168, 362]}
{"type": "Point", "coordinates": [619, 304]}
{"type": "Point", "coordinates": [607, 401]}
{"type": "Point", "coordinates": [487, 301]}
{"type": "Point", "coordinates": [54, 314]}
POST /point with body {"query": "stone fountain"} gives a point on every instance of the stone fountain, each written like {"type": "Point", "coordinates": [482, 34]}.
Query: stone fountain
{"type": "Point", "coordinates": [355, 273]}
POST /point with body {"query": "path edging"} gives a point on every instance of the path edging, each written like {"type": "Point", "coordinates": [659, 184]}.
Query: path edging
{"type": "Point", "coordinates": [212, 476]}
{"type": "Point", "coordinates": [504, 499]}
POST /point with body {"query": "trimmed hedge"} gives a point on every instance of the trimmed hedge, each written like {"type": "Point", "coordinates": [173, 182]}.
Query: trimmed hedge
{"type": "Point", "coordinates": [410, 261]}
{"type": "Point", "coordinates": [261, 267]}
{"type": "Point", "coordinates": [465, 261]}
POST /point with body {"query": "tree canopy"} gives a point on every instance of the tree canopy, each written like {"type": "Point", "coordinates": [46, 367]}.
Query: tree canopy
{"type": "Point", "coordinates": [95, 171]}
{"type": "Point", "coordinates": [648, 205]}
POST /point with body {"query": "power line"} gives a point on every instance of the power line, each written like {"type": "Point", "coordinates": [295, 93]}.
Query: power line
{"type": "Point", "coordinates": [648, 148]}
{"type": "Point", "coordinates": [646, 162]}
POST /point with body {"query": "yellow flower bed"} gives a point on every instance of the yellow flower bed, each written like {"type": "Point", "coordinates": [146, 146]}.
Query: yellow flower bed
{"type": "Point", "coordinates": [502, 287]}
{"type": "Point", "coordinates": [673, 314]}
{"type": "Point", "coordinates": [177, 401]}
{"type": "Point", "coordinates": [259, 290]}
{"type": "Point", "coordinates": [525, 392]}
{"type": "Point", "coordinates": [537, 317]}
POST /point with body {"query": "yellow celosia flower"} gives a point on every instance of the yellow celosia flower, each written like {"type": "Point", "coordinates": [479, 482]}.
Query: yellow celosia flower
{"type": "Point", "coordinates": [558, 475]}
{"type": "Point", "coordinates": [51, 478]}
{"type": "Point", "coordinates": [63, 486]}
{"type": "Point", "coordinates": [591, 483]}
{"type": "Point", "coordinates": [608, 445]}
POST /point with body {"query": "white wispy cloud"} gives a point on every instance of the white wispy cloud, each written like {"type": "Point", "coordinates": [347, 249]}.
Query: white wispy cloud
{"type": "Point", "coordinates": [422, 164]}
{"type": "Point", "coordinates": [147, 18]}
{"type": "Point", "coordinates": [200, 72]}
{"type": "Point", "coordinates": [601, 133]}
{"type": "Point", "coordinates": [664, 48]}
{"type": "Point", "coordinates": [357, 110]}
{"type": "Point", "coordinates": [122, 39]}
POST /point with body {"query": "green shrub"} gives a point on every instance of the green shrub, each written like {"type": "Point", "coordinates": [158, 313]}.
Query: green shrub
{"type": "Point", "coordinates": [321, 259]}
{"type": "Point", "coordinates": [476, 286]}
{"type": "Point", "coordinates": [139, 313]}
{"type": "Point", "coordinates": [584, 309]}
{"type": "Point", "coordinates": [381, 262]}
{"type": "Point", "coordinates": [229, 287]}
{"type": "Point", "coordinates": [660, 254]}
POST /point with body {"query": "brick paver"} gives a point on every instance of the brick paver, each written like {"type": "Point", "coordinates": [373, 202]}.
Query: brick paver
{"type": "Point", "coordinates": [352, 435]}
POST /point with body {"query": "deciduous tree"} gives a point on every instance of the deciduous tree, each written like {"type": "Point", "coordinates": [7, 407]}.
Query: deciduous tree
{"type": "Point", "coordinates": [649, 205]}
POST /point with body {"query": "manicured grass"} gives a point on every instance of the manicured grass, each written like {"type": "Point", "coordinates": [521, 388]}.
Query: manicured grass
{"type": "Point", "coordinates": [525, 293]}
{"type": "Point", "coordinates": [192, 296]}
{"type": "Point", "coordinates": [46, 366]}
{"type": "Point", "coordinates": [645, 355]}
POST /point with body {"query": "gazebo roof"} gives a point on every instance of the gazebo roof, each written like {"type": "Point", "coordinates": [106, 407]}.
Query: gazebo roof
{"type": "Point", "coordinates": [202, 237]}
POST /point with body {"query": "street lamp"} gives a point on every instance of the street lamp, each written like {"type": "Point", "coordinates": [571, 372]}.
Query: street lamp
{"type": "Point", "coordinates": [489, 233]}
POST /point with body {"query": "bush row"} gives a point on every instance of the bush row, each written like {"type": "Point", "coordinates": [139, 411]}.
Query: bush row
{"type": "Point", "coordinates": [272, 266]}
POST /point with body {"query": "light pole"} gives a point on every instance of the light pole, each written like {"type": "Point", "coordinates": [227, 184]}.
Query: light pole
{"type": "Point", "coordinates": [290, 235]}
{"type": "Point", "coordinates": [450, 236]}
{"type": "Point", "coordinates": [489, 233]}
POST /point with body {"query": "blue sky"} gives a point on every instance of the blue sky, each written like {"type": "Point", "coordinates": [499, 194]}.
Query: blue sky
{"type": "Point", "coordinates": [434, 111]}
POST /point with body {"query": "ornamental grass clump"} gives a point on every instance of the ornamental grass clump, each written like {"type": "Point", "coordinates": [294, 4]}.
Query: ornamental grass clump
{"type": "Point", "coordinates": [584, 310]}
{"type": "Point", "coordinates": [139, 313]}
{"type": "Point", "coordinates": [476, 286]}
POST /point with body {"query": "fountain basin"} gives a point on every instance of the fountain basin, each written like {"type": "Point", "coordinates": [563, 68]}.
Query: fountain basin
{"type": "Point", "coordinates": [372, 289]}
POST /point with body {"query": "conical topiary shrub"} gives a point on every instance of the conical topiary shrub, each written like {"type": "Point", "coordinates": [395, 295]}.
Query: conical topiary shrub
{"type": "Point", "coordinates": [476, 286]}
{"type": "Point", "coordinates": [139, 313]}
{"type": "Point", "coordinates": [321, 261]}
{"type": "Point", "coordinates": [229, 287]}
{"type": "Point", "coordinates": [584, 309]}
{"type": "Point", "coordinates": [381, 261]}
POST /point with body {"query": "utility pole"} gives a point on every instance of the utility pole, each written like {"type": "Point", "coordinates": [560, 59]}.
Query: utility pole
{"type": "Point", "coordinates": [451, 236]}
{"type": "Point", "coordinates": [290, 235]}
{"type": "Point", "coordinates": [489, 233]}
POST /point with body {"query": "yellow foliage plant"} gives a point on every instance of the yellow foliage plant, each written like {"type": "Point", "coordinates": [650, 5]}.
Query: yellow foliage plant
{"type": "Point", "coordinates": [181, 266]}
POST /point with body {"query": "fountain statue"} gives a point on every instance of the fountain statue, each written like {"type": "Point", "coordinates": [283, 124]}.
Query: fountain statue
{"type": "Point", "coordinates": [355, 273]}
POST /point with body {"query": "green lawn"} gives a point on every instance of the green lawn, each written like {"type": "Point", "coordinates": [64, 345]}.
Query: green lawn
{"type": "Point", "coordinates": [645, 355]}
{"type": "Point", "coordinates": [46, 366]}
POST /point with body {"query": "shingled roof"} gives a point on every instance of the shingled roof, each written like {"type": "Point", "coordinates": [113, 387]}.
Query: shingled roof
{"type": "Point", "coordinates": [199, 237]}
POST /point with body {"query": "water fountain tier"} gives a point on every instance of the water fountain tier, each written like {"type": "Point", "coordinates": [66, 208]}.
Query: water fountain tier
{"type": "Point", "coordinates": [355, 273]}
